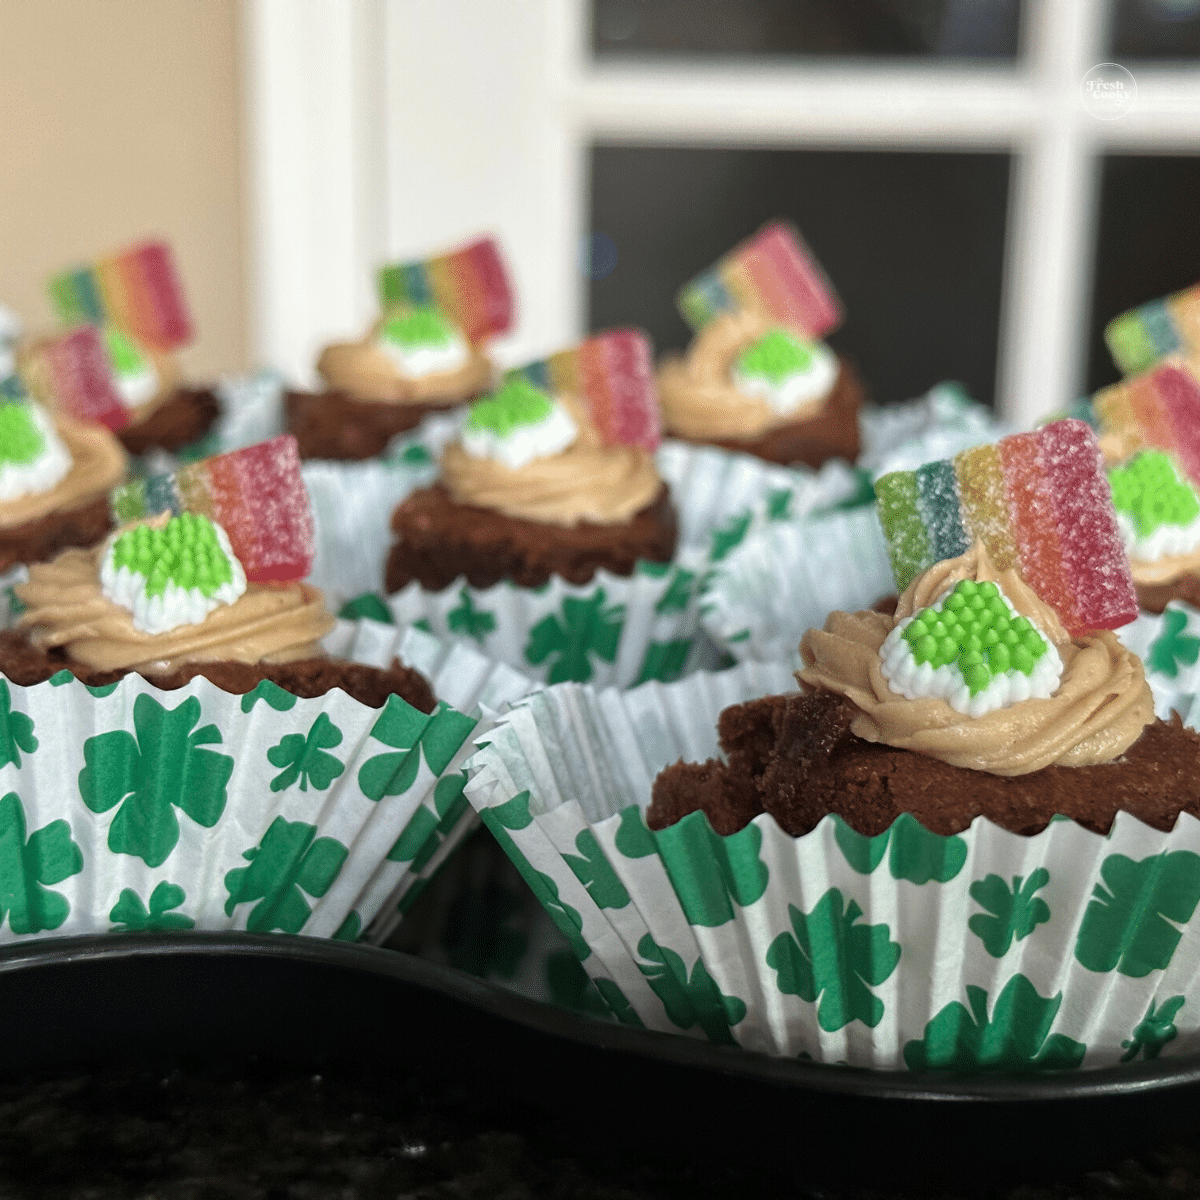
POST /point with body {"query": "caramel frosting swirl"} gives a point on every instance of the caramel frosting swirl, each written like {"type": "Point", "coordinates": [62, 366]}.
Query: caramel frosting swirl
{"type": "Point", "coordinates": [588, 481]}
{"type": "Point", "coordinates": [1101, 707]}
{"type": "Point", "coordinates": [699, 397]}
{"type": "Point", "coordinates": [66, 608]}
{"type": "Point", "coordinates": [97, 465]}
{"type": "Point", "coordinates": [1166, 569]}
{"type": "Point", "coordinates": [363, 371]}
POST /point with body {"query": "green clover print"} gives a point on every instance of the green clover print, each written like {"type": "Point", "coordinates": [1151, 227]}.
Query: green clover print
{"type": "Point", "coordinates": [285, 865]}
{"type": "Point", "coordinates": [1017, 1037]}
{"type": "Point", "coordinates": [305, 758]}
{"type": "Point", "coordinates": [690, 1000]}
{"type": "Point", "coordinates": [1173, 647]}
{"type": "Point", "coordinates": [1015, 913]}
{"type": "Point", "coordinates": [16, 730]}
{"type": "Point", "coordinates": [587, 627]}
{"type": "Point", "coordinates": [153, 773]}
{"type": "Point", "coordinates": [1154, 1030]}
{"type": "Point", "coordinates": [129, 913]}
{"type": "Point", "coordinates": [29, 868]}
{"type": "Point", "coordinates": [1130, 922]}
{"type": "Point", "coordinates": [466, 618]}
{"type": "Point", "coordinates": [834, 960]}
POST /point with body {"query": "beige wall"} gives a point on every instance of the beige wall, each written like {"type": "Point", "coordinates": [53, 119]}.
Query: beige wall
{"type": "Point", "coordinates": [120, 120]}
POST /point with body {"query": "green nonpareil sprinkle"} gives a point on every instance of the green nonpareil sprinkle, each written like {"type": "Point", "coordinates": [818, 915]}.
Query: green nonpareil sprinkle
{"type": "Point", "coordinates": [976, 630]}
{"type": "Point", "coordinates": [1151, 493]}
{"type": "Point", "coordinates": [776, 356]}
{"type": "Point", "coordinates": [123, 352]}
{"type": "Point", "coordinates": [20, 439]}
{"type": "Point", "coordinates": [423, 326]}
{"type": "Point", "coordinates": [184, 551]}
{"type": "Point", "coordinates": [517, 403]}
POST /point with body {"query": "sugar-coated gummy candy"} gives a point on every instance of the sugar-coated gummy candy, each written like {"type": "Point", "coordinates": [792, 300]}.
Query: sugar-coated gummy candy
{"type": "Point", "coordinates": [257, 495]}
{"type": "Point", "coordinates": [1037, 501]}
{"type": "Point", "coordinates": [137, 290]}
{"type": "Point", "coordinates": [76, 370]}
{"type": "Point", "coordinates": [772, 273]}
{"type": "Point", "coordinates": [470, 285]}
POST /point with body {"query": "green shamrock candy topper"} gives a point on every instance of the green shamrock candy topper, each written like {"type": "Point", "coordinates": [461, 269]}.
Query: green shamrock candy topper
{"type": "Point", "coordinates": [775, 356]}
{"type": "Point", "coordinates": [123, 353]}
{"type": "Point", "coordinates": [21, 442]}
{"type": "Point", "coordinates": [517, 403]}
{"type": "Point", "coordinates": [184, 552]}
{"type": "Point", "coordinates": [976, 630]}
{"type": "Point", "coordinates": [422, 326]}
{"type": "Point", "coordinates": [1148, 491]}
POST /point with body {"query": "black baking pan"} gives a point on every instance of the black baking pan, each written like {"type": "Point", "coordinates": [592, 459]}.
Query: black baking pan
{"type": "Point", "coordinates": [118, 999]}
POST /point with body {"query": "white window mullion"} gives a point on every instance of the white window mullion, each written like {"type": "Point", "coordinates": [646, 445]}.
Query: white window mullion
{"type": "Point", "coordinates": [313, 141]}
{"type": "Point", "coordinates": [1052, 210]}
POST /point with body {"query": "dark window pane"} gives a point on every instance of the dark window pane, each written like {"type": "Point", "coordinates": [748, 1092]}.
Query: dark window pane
{"type": "Point", "coordinates": [914, 244]}
{"type": "Point", "coordinates": [782, 28]}
{"type": "Point", "coordinates": [1156, 29]}
{"type": "Point", "coordinates": [1146, 245]}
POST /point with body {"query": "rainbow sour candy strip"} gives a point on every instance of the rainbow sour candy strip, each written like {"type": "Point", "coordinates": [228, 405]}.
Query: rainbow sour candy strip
{"type": "Point", "coordinates": [469, 285]}
{"type": "Point", "coordinates": [137, 291]}
{"type": "Point", "coordinates": [75, 370]}
{"type": "Point", "coordinates": [613, 374]}
{"type": "Point", "coordinates": [256, 495]}
{"type": "Point", "coordinates": [1160, 409]}
{"type": "Point", "coordinates": [773, 273]}
{"type": "Point", "coordinates": [1039, 502]}
{"type": "Point", "coordinates": [1139, 338]}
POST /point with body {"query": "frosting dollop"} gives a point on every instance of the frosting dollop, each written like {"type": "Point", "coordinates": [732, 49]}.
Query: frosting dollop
{"type": "Point", "coordinates": [588, 481]}
{"type": "Point", "coordinates": [1099, 710]}
{"type": "Point", "coordinates": [700, 397]}
{"type": "Point", "coordinates": [66, 607]}
{"type": "Point", "coordinates": [366, 370]}
{"type": "Point", "coordinates": [97, 465]}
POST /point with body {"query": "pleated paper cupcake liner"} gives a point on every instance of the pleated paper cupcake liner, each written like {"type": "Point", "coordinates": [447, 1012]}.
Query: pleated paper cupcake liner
{"type": "Point", "coordinates": [1168, 643]}
{"type": "Point", "coordinates": [786, 577]}
{"type": "Point", "coordinates": [980, 951]}
{"type": "Point", "coordinates": [128, 807]}
{"type": "Point", "coordinates": [480, 916]}
{"type": "Point", "coordinates": [901, 437]}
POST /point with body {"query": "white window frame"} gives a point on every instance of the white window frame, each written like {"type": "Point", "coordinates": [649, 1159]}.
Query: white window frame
{"type": "Point", "coordinates": [379, 129]}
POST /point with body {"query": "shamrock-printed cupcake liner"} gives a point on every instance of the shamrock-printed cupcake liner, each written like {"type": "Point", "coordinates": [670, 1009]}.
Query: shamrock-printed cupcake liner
{"type": "Point", "coordinates": [786, 577]}
{"type": "Point", "coordinates": [981, 951]}
{"type": "Point", "coordinates": [127, 807]}
{"type": "Point", "coordinates": [479, 916]}
{"type": "Point", "coordinates": [1168, 643]}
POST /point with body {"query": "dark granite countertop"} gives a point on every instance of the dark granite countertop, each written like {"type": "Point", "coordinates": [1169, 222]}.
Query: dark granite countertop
{"type": "Point", "coordinates": [254, 1130]}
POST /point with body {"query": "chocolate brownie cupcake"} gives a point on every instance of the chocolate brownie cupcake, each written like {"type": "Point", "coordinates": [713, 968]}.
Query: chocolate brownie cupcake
{"type": "Point", "coordinates": [755, 378]}
{"type": "Point", "coordinates": [546, 480]}
{"type": "Point", "coordinates": [749, 386]}
{"type": "Point", "coordinates": [55, 475]}
{"type": "Point", "coordinates": [425, 354]}
{"type": "Point", "coordinates": [169, 596]}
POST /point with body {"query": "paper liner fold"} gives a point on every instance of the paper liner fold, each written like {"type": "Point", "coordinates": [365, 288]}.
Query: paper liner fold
{"type": "Point", "coordinates": [985, 950]}
{"type": "Point", "coordinates": [787, 577]}
{"type": "Point", "coordinates": [130, 807]}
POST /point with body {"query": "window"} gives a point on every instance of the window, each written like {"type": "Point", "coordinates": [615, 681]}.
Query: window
{"type": "Point", "coordinates": [392, 127]}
